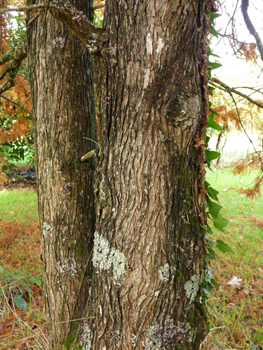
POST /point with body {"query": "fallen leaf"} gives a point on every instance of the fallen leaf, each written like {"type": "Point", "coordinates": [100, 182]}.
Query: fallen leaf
{"type": "Point", "coordinates": [235, 281]}
{"type": "Point", "coordinates": [237, 335]}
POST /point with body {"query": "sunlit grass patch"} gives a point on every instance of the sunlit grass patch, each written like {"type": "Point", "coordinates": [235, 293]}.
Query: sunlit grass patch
{"type": "Point", "coordinates": [236, 311]}
{"type": "Point", "coordinates": [19, 206]}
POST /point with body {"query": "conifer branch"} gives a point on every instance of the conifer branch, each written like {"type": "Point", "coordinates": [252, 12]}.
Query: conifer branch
{"type": "Point", "coordinates": [245, 131]}
{"type": "Point", "coordinates": [228, 89]}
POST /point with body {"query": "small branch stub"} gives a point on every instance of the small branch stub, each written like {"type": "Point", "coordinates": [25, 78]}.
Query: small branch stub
{"type": "Point", "coordinates": [88, 155]}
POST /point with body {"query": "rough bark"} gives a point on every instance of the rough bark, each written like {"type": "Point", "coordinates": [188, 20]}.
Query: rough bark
{"type": "Point", "coordinates": [61, 81]}
{"type": "Point", "coordinates": [149, 252]}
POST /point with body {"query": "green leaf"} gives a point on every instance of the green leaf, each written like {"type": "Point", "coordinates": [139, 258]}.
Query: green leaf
{"type": "Point", "coordinates": [210, 53]}
{"type": "Point", "coordinates": [37, 280]}
{"type": "Point", "coordinates": [223, 246]}
{"type": "Point", "coordinates": [213, 31]}
{"type": "Point", "coordinates": [211, 191]}
{"type": "Point", "coordinates": [210, 254]}
{"type": "Point", "coordinates": [220, 222]}
{"type": "Point", "coordinates": [213, 16]}
{"type": "Point", "coordinates": [211, 155]}
{"type": "Point", "coordinates": [207, 288]}
{"type": "Point", "coordinates": [212, 124]}
{"type": "Point", "coordinates": [214, 65]}
{"type": "Point", "coordinates": [213, 207]}
{"type": "Point", "coordinates": [214, 112]}
{"type": "Point", "coordinates": [20, 302]}
{"type": "Point", "coordinates": [215, 283]}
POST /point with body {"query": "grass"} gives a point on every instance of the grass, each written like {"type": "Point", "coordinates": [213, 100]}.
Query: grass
{"type": "Point", "coordinates": [235, 313]}
{"type": "Point", "coordinates": [18, 206]}
{"type": "Point", "coordinates": [21, 271]}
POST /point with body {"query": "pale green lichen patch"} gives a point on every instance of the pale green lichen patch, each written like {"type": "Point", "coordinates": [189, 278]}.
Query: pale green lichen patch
{"type": "Point", "coordinates": [161, 336]}
{"type": "Point", "coordinates": [191, 287]}
{"type": "Point", "coordinates": [47, 230]}
{"type": "Point", "coordinates": [68, 265]}
{"type": "Point", "coordinates": [164, 273]}
{"type": "Point", "coordinates": [105, 257]}
{"type": "Point", "coordinates": [86, 338]}
{"type": "Point", "coordinates": [118, 261]}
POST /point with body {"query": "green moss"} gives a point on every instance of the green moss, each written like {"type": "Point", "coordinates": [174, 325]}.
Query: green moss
{"type": "Point", "coordinates": [93, 126]}
{"type": "Point", "coordinates": [72, 343]}
{"type": "Point", "coordinates": [178, 275]}
{"type": "Point", "coordinates": [89, 166]}
{"type": "Point", "coordinates": [79, 251]}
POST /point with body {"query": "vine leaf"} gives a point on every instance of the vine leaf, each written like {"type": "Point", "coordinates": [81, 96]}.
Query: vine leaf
{"type": "Point", "coordinates": [20, 302]}
{"type": "Point", "coordinates": [223, 246]}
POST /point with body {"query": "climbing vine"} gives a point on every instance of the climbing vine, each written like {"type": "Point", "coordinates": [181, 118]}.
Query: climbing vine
{"type": "Point", "coordinates": [213, 207]}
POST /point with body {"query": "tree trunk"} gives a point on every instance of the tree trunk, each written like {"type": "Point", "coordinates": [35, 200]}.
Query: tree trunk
{"type": "Point", "coordinates": [149, 251]}
{"type": "Point", "coordinates": [61, 81]}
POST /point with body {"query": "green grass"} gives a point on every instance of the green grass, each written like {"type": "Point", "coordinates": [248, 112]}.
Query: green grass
{"type": "Point", "coordinates": [236, 313]}
{"type": "Point", "coordinates": [18, 205]}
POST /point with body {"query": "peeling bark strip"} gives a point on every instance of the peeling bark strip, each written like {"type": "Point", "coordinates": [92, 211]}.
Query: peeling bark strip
{"type": "Point", "coordinates": [150, 206]}
{"type": "Point", "coordinates": [61, 81]}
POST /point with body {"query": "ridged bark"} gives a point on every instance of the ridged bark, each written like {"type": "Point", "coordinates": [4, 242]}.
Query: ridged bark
{"type": "Point", "coordinates": [150, 190]}
{"type": "Point", "coordinates": [61, 81]}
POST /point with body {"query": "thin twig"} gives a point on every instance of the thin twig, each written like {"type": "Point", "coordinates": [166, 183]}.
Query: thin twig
{"type": "Point", "coordinates": [23, 8]}
{"type": "Point", "coordinates": [19, 109]}
{"type": "Point", "coordinates": [35, 17]}
{"type": "Point", "coordinates": [17, 104]}
{"type": "Point", "coordinates": [98, 7]}
{"type": "Point", "coordinates": [77, 319]}
{"type": "Point", "coordinates": [230, 90]}
{"type": "Point", "coordinates": [91, 140]}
